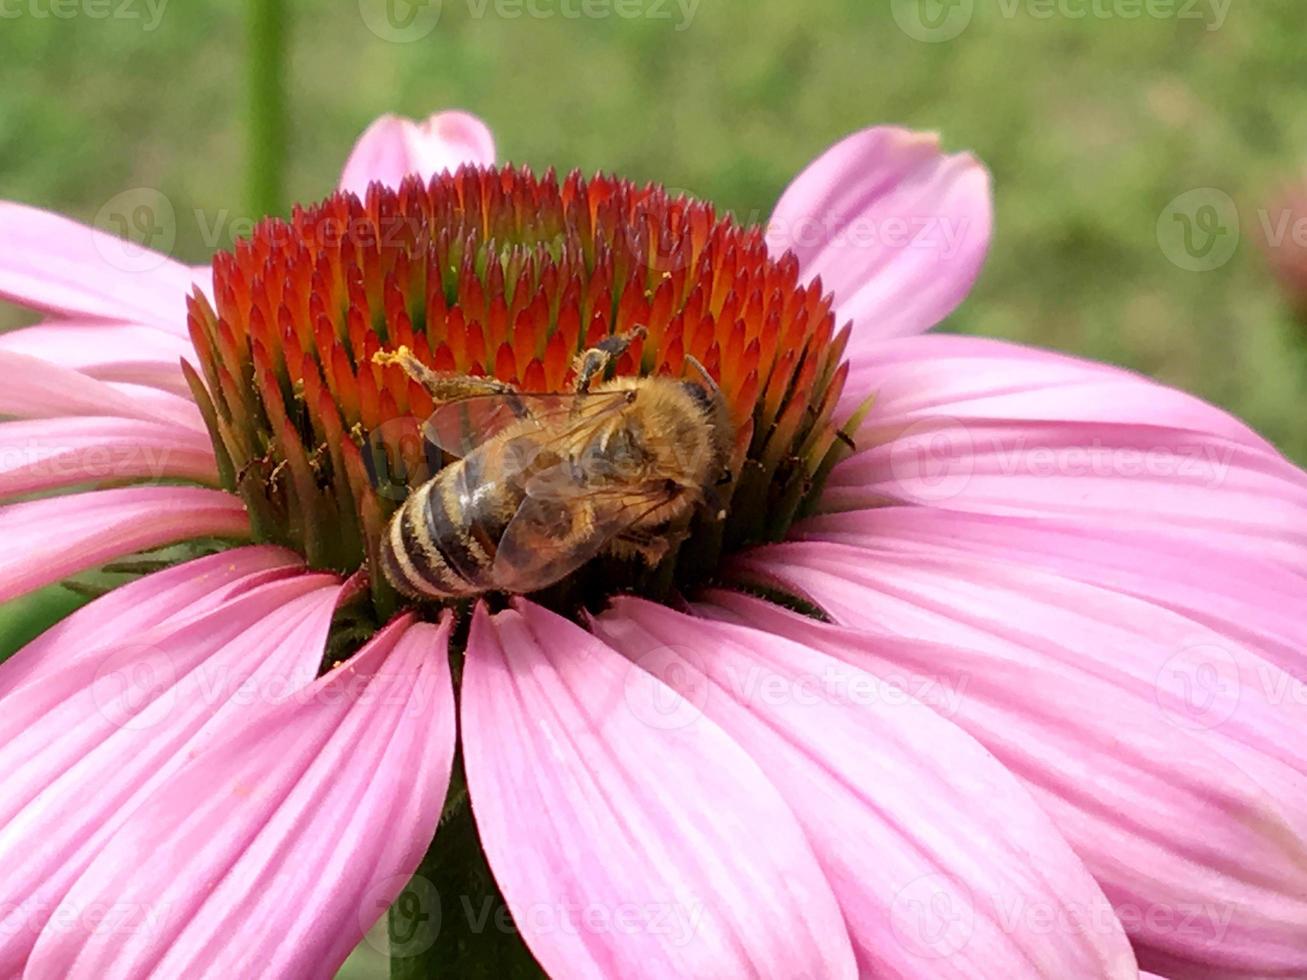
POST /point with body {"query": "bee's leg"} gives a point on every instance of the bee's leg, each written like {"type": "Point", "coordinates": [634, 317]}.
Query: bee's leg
{"type": "Point", "coordinates": [442, 387]}
{"type": "Point", "coordinates": [591, 364]}
{"type": "Point", "coordinates": [650, 548]}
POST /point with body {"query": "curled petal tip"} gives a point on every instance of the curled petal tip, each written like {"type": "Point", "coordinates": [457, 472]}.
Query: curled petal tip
{"type": "Point", "coordinates": [393, 147]}
{"type": "Point", "coordinates": [896, 228]}
{"type": "Point", "coordinates": [455, 127]}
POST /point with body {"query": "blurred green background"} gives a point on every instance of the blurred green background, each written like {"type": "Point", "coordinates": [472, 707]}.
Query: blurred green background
{"type": "Point", "coordinates": [1093, 115]}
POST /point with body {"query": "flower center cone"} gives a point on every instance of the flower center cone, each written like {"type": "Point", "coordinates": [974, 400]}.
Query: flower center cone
{"type": "Point", "coordinates": [502, 273]}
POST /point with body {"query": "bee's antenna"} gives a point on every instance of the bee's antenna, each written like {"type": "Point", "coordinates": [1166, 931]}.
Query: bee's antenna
{"type": "Point", "coordinates": [708, 381]}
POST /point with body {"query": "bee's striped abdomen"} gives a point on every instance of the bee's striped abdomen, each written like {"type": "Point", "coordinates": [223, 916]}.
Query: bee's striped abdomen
{"type": "Point", "coordinates": [411, 560]}
{"type": "Point", "coordinates": [441, 543]}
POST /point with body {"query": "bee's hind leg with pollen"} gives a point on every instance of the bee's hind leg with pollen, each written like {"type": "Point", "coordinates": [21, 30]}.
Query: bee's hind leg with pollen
{"type": "Point", "coordinates": [442, 387]}
{"type": "Point", "coordinates": [592, 363]}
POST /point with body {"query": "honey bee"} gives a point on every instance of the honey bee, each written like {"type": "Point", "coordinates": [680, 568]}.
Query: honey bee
{"type": "Point", "coordinates": [545, 482]}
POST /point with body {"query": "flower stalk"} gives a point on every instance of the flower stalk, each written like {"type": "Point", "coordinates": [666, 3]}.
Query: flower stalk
{"type": "Point", "coordinates": [266, 26]}
{"type": "Point", "coordinates": [451, 919]}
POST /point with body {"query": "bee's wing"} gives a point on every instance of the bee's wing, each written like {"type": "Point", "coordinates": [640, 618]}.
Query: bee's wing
{"type": "Point", "coordinates": [460, 426]}
{"type": "Point", "coordinates": [556, 530]}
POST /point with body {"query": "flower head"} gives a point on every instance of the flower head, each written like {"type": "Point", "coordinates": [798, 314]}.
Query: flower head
{"type": "Point", "coordinates": [1014, 697]}
{"type": "Point", "coordinates": [489, 272]}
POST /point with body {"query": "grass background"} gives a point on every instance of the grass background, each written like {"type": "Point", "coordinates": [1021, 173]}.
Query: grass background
{"type": "Point", "coordinates": [1090, 124]}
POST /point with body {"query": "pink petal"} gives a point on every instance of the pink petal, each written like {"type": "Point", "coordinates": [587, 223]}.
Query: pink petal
{"type": "Point", "coordinates": [976, 379]}
{"type": "Point", "coordinates": [1256, 602]}
{"type": "Point", "coordinates": [91, 741]}
{"type": "Point", "coordinates": [48, 262]}
{"type": "Point", "coordinates": [108, 351]}
{"type": "Point", "coordinates": [625, 847]}
{"type": "Point", "coordinates": [35, 388]}
{"type": "Point", "coordinates": [46, 454]}
{"type": "Point", "coordinates": [184, 590]}
{"type": "Point", "coordinates": [393, 147]}
{"type": "Point", "coordinates": [859, 761]}
{"type": "Point", "coordinates": [49, 539]}
{"type": "Point", "coordinates": [1116, 479]}
{"type": "Point", "coordinates": [896, 230]}
{"type": "Point", "coordinates": [955, 597]}
{"type": "Point", "coordinates": [281, 843]}
{"type": "Point", "coordinates": [1021, 435]}
{"type": "Point", "coordinates": [1159, 746]}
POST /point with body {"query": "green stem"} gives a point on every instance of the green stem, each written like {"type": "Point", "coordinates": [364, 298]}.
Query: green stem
{"type": "Point", "coordinates": [451, 920]}
{"type": "Point", "coordinates": [267, 105]}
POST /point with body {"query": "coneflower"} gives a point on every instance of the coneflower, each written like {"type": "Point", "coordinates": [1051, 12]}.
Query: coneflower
{"type": "Point", "coordinates": [992, 665]}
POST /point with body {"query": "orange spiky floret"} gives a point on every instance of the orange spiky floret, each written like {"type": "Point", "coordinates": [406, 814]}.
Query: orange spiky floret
{"type": "Point", "coordinates": [500, 272]}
